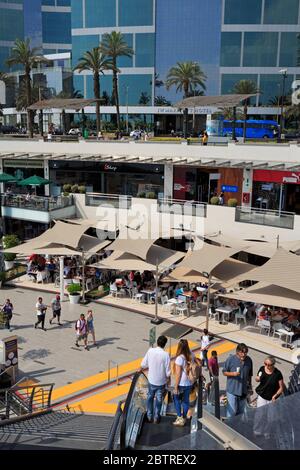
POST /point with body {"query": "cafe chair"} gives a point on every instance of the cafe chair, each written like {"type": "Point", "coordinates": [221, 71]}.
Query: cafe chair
{"type": "Point", "coordinates": [241, 315]}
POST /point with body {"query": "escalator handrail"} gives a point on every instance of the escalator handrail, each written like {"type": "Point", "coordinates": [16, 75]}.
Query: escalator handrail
{"type": "Point", "coordinates": [114, 428]}
{"type": "Point", "coordinates": [128, 400]}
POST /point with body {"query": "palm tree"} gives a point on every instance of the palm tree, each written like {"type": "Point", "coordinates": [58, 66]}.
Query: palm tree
{"type": "Point", "coordinates": [161, 101]}
{"type": "Point", "coordinates": [96, 62]}
{"type": "Point", "coordinates": [113, 45]}
{"type": "Point", "coordinates": [22, 54]}
{"type": "Point", "coordinates": [292, 113]}
{"type": "Point", "coordinates": [186, 76]}
{"type": "Point", "coordinates": [245, 87]}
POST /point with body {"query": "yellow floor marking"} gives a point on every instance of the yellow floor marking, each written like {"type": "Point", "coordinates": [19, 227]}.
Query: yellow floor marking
{"type": "Point", "coordinates": [102, 377]}
{"type": "Point", "coordinates": [98, 403]}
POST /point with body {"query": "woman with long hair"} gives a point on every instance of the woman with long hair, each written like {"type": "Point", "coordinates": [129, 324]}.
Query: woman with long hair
{"type": "Point", "coordinates": [183, 385]}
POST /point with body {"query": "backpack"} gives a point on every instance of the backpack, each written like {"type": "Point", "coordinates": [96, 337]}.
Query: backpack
{"type": "Point", "coordinates": [193, 371]}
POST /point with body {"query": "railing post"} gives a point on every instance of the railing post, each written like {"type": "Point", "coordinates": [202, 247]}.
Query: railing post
{"type": "Point", "coordinates": [200, 402]}
{"type": "Point", "coordinates": [217, 397]}
{"type": "Point", "coordinates": [108, 372]}
{"type": "Point", "coordinates": [49, 396]}
{"type": "Point", "coordinates": [117, 374]}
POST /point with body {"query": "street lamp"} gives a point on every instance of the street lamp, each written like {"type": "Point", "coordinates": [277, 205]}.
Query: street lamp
{"type": "Point", "coordinates": [127, 124]}
{"type": "Point", "coordinates": [283, 72]}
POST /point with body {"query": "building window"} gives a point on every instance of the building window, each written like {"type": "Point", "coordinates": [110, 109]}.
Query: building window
{"type": "Point", "coordinates": [144, 52]}
{"type": "Point", "coordinates": [126, 61]}
{"type": "Point", "coordinates": [290, 50]}
{"type": "Point", "coordinates": [57, 28]}
{"type": "Point", "coordinates": [77, 14]}
{"type": "Point", "coordinates": [81, 44]}
{"type": "Point", "coordinates": [11, 24]}
{"type": "Point", "coordinates": [231, 49]}
{"type": "Point", "coordinates": [237, 13]}
{"type": "Point", "coordinates": [100, 13]}
{"type": "Point", "coordinates": [281, 11]}
{"type": "Point", "coordinates": [271, 89]}
{"type": "Point", "coordinates": [260, 49]}
{"type": "Point", "coordinates": [229, 80]}
{"type": "Point", "coordinates": [136, 13]}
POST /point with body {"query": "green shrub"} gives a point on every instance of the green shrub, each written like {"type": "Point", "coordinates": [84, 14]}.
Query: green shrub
{"type": "Point", "coordinates": [74, 188]}
{"type": "Point", "coordinates": [67, 188]}
{"type": "Point", "coordinates": [232, 202]}
{"type": "Point", "coordinates": [215, 201]}
{"type": "Point", "coordinates": [82, 189]}
{"type": "Point", "coordinates": [66, 194]}
{"type": "Point", "coordinates": [151, 195]}
{"type": "Point", "coordinates": [74, 289]}
{"type": "Point", "coordinates": [9, 241]}
{"type": "Point", "coordinates": [141, 194]}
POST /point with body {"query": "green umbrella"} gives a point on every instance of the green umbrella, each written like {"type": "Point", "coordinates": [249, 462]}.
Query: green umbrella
{"type": "Point", "coordinates": [6, 178]}
{"type": "Point", "coordinates": [33, 181]}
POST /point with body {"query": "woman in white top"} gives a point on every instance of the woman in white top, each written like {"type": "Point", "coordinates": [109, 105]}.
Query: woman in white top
{"type": "Point", "coordinates": [182, 387]}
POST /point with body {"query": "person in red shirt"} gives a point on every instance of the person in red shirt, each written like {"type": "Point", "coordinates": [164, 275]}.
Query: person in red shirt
{"type": "Point", "coordinates": [213, 365]}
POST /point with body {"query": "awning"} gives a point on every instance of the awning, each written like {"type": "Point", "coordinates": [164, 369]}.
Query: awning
{"type": "Point", "coordinates": [267, 294]}
{"type": "Point", "coordinates": [63, 103]}
{"type": "Point", "coordinates": [183, 274]}
{"type": "Point", "coordinates": [231, 269]}
{"type": "Point", "coordinates": [207, 258]}
{"type": "Point", "coordinates": [139, 247]}
{"type": "Point", "coordinates": [283, 270]}
{"type": "Point", "coordinates": [260, 248]}
{"type": "Point", "coordinates": [222, 101]}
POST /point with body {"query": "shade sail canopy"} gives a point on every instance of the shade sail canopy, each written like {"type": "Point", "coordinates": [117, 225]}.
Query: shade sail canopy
{"type": "Point", "coordinates": [260, 248]}
{"type": "Point", "coordinates": [293, 246]}
{"type": "Point", "coordinates": [222, 101]}
{"type": "Point", "coordinates": [282, 270]}
{"type": "Point", "coordinates": [123, 261]}
{"type": "Point", "coordinates": [184, 275]}
{"type": "Point", "coordinates": [230, 270]}
{"type": "Point", "coordinates": [63, 103]}
{"type": "Point", "coordinates": [139, 247]}
{"type": "Point", "coordinates": [207, 258]}
{"type": "Point", "coordinates": [33, 181]}
{"type": "Point", "coordinates": [6, 178]}
{"type": "Point", "coordinates": [268, 294]}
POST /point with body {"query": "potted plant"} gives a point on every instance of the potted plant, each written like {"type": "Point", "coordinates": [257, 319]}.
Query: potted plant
{"type": "Point", "coordinates": [74, 188]}
{"type": "Point", "coordinates": [215, 201]}
{"type": "Point", "coordinates": [232, 202]}
{"type": "Point", "coordinates": [82, 189]}
{"type": "Point", "coordinates": [67, 188]}
{"type": "Point", "coordinates": [2, 278]}
{"type": "Point", "coordinates": [74, 291]}
{"type": "Point", "coordinates": [151, 195]}
{"type": "Point", "coordinates": [9, 241]}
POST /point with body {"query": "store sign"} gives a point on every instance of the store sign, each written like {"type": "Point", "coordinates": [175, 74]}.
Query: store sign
{"type": "Point", "coordinates": [214, 176]}
{"type": "Point", "coordinates": [246, 198]}
{"type": "Point", "coordinates": [281, 177]}
{"type": "Point", "coordinates": [229, 189]}
{"type": "Point", "coordinates": [109, 167]}
{"type": "Point", "coordinates": [23, 163]}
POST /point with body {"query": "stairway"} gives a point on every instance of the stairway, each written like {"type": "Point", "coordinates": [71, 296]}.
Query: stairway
{"type": "Point", "coordinates": [56, 430]}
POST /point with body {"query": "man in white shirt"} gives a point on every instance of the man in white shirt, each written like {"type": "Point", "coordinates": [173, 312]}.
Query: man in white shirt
{"type": "Point", "coordinates": [204, 347]}
{"type": "Point", "coordinates": [41, 313]}
{"type": "Point", "coordinates": [158, 363]}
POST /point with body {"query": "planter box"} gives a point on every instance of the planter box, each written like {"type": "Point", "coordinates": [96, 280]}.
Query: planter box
{"type": "Point", "coordinates": [74, 299]}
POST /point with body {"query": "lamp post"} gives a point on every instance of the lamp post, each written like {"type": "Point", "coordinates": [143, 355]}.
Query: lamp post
{"type": "Point", "coordinates": [127, 124]}
{"type": "Point", "coordinates": [156, 320]}
{"type": "Point", "coordinates": [283, 72]}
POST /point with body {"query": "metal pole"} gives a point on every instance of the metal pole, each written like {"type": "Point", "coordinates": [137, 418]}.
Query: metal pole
{"type": "Point", "coordinates": [127, 123]}
{"type": "Point", "coordinates": [277, 241]}
{"type": "Point", "coordinates": [284, 76]}
{"type": "Point", "coordinates": [217, 397]}
{"type": "Point", "coordinates": [108, 372]}
{"type": "Point", "coordinates": [280, 199]}
{"type": "Point", "coordinates": [117, 374]}
{"type": "Point", "coordinates": [83, 278]}
{"type": "Point", "coordinates": [208, 302]}
{"type": "Point", "coordinates": [200, 402]}
{"type": "Point", "coordinates": [61, 277]}
{"type": "Point", "coordinates": [156, 320]}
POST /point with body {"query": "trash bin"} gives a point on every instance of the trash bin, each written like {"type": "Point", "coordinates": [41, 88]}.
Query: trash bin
{"type": "Point", "coordinates": [85, 133]}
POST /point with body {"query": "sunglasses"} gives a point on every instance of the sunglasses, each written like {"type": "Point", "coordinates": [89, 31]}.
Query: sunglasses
{"type": "Point", "coordinates": [268, 364]}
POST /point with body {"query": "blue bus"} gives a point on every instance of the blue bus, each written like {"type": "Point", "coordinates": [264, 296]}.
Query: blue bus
{"type": "Point", "coordinates": [255, 129]}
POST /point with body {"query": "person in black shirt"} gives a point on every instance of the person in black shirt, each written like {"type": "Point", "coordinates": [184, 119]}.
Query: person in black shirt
{"type": "Point", "coordinates": [270, 387]}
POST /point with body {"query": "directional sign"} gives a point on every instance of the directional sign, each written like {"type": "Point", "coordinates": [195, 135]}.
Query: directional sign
{"type": "Point", "coordinates": [229, 189]}
{"type": "Point", "coordinates": [152, 336]}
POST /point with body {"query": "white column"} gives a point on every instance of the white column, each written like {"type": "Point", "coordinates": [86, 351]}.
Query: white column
{"type": "Point", "coordinates": [247, 186]}
{"type": "Point", "coordinates": [46, 176]}
{"type": "Point", "coordinates": [168, 181]}
{"type": "Point", "coordinates": [61, 278]}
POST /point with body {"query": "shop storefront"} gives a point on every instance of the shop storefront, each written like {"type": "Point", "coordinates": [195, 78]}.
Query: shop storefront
{"type": "Point", "coordinates": [276, 190]}
{"type": "Point", "coordinates": [141, 180]}
{"type": "Point", "coordinates": [201, 184]}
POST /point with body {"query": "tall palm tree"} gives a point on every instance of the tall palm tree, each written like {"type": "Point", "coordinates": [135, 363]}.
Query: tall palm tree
{"type": "Point", "coordinates": [113, 45]}
{"type": "Point", "coordinates": [186, 76]}
{"type": "Point", "coordinates": [96, 62]}
{"type": "Point", "coordinates": [22, 54]}
{"type": "Point", "coordinates": [245, 87]}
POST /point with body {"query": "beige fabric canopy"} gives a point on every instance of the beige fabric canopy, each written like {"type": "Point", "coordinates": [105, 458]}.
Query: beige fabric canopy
{"type": "Point", "coordinates": [207, 258]}
{"type": "Point", "coordinates": [222, 101]}
{"type": "Point", "coordinates": [231, 269]}
{"type": "Point", "coordinates": [260, 248]}
{"type": "Point", "coordinates": [139, 247]}
{"type": "Point", "coordinates": [282, 270]}
{"type": "Point", "coordinates": [268, 294]}
{"type": "Point", "coordinates": [63, 103]}
{"type": "Point", "coordinates": [124, 261]}
{"type": "Point", "coordinates": [184, 275]}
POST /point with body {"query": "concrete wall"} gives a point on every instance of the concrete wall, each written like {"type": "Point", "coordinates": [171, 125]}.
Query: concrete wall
{"type": "Point", "coordinates": [219, 218]}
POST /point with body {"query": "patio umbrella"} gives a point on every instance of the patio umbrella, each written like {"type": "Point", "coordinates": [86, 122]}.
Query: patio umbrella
{"type": "Point", "coordinates": [33, 181]}
{"type": "Point", "coordinates": [6, 178]}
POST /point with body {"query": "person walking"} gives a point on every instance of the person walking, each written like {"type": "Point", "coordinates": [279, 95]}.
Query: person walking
{"type": "Point", "coordinates": [204, 347]}
{"type": "Point", "coordinates": [213, 367]}
{"type": "Point", "coordinates": [158, 363]}
{"type": "Point", "coordinates": [56, 309]}
{"type": "Point", "coordinates": [41, 309]}
{"type": "Point", "coordinates": [183, 385]}
{"type": "Point", "coordinates": [90, 325]}
{"type": "Point", "coordinates": [204, 138]}
{"type": "Point", "coordinates": [221, 199]}
{"type": "Point", "coordinates": [238, 369]}
{"type": "Point", "coordinates": [271, 386]}
{"type": "Point", "coordinates": [8, 311]}
{"type": "Point", "coordinates": [81, 331]}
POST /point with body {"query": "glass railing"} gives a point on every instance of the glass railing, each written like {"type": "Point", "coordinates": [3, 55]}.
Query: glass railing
{"type": "Point", "coordinates": [36, 203]}
{"type": "Point", "coordinates": [272, 218]}
{"type": "Point", "coordinates": [178, 206]}
{"type": "Point", "coordinates": [109, 200]}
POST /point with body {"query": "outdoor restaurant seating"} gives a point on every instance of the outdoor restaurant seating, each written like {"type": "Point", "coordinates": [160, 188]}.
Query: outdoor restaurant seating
{"type": "Point", "coordinates": [239, 315]}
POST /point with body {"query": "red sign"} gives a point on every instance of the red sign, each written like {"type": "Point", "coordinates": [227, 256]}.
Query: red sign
{"type": "Point", "coordinates": [246, 198]}
{"type": "Point", "coordinates": [282, 177]}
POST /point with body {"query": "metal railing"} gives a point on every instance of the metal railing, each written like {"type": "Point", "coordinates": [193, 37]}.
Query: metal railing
{"type": "Point", "coordinates": [21, 400]}
{"type": "Point", "coordinates": [110, 362]}
{"type": "Point", "coordinates": [114, 433]}
{"type": "Point", "coordinates": [109, 200]}
{"type": "Point", "coordinates": [272, 218]}
{"type": "Point", "coordinates": [178, 206]}
{"type": "Point", "coordinates": [36, 203]}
